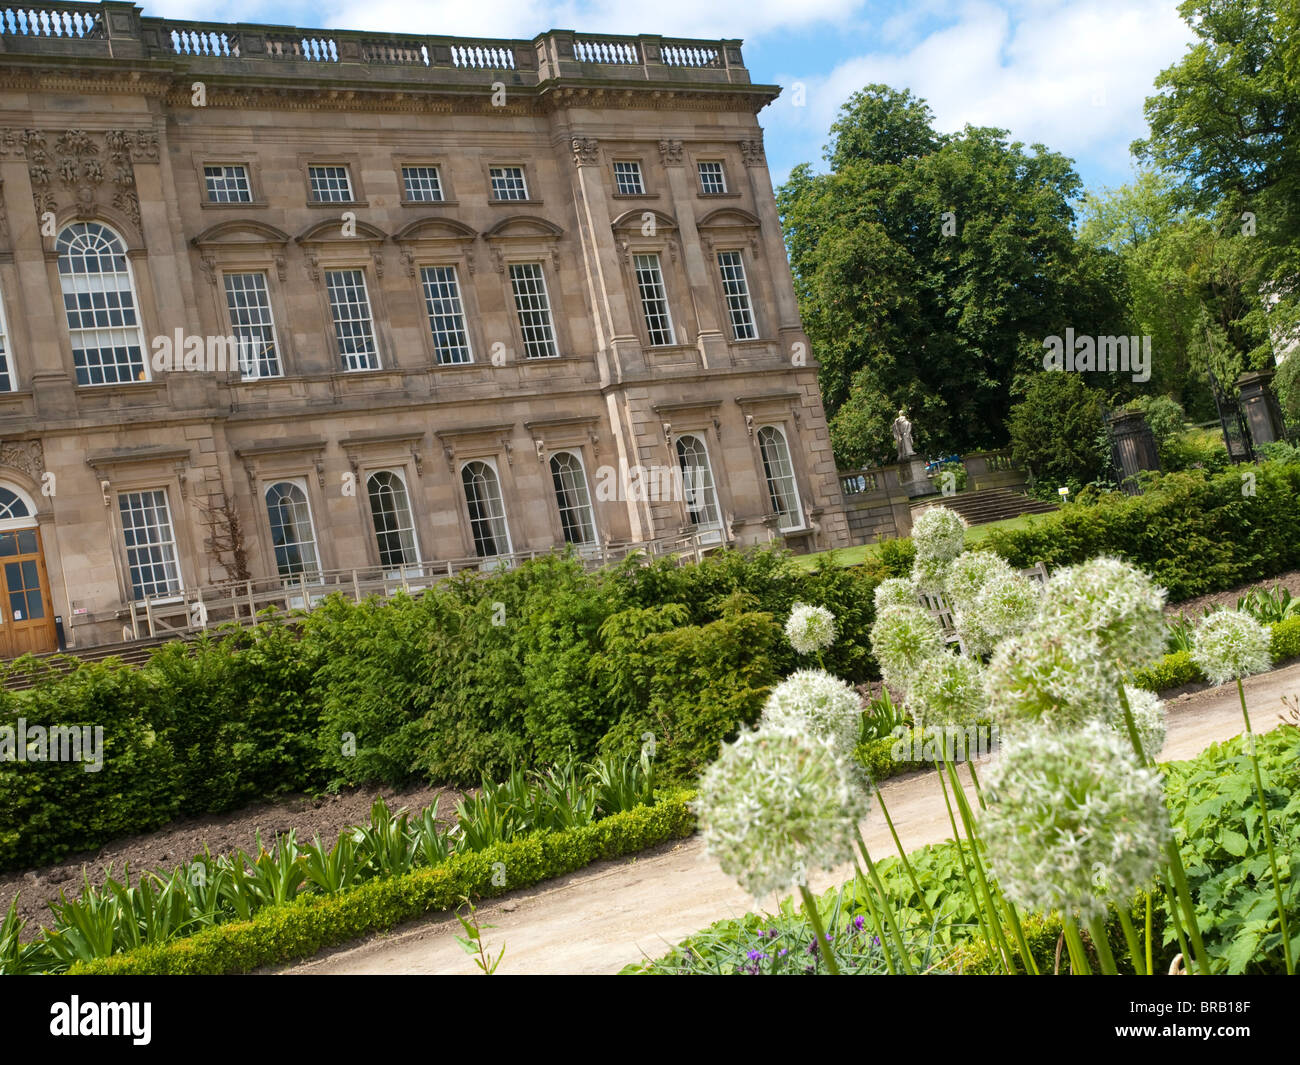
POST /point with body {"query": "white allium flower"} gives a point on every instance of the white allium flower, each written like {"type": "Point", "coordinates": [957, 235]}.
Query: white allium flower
{"type": "Point", "coordinates": [818, 704]}
{"type": "Point", "coordinates": [901, 639]}
{"type": "Point", "coordinates": [895, 591]}
{"type": "Point", "coordinates": [1229, 644]}
{"type": "Point", "coordinates": [971, 572]}
{"type": "Point", "coordinates": [1073, 821]}
{"type": "Point", "coordinates": [810, 628]}
{"type": "Point", "coordinates": [1148, 716]}
{"type": "Point", "coordinates": [939, 533]}
{"type": "Point", "coordinates": [1004, 607]}
{"type": "Point", "coordinates": [775, 804]}
{"type": "Point", "coordinates": [1113, 602]}
{"type": "Point", "coordinates": [947, 690]}
{"type": "Point", "coordinates": [1049, 679]}
{"type": "Point", "coordinates": [930, 574]}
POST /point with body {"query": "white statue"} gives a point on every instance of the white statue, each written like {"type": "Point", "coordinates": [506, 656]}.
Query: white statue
{"type": "Point", "coordinates": [902, 430]}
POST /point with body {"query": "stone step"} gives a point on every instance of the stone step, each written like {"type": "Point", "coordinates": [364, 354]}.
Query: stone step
{"type": "Point", "coordinates": [987, 505]}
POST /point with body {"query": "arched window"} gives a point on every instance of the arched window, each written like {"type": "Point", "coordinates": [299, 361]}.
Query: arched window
{"type": "Point", "coordinates": [487, 512]}
{"type": "Point", "coordinates": [697, 482]}
{"type": "Point", "coordinates": [292, 533]}
{"type": "Point", "coordinates": [573, 499]}
{"type": "Point", "coordinates": [390, 510]}
{"type": "Point", "coordinates": [12, 505]}
{"type": "Point", "coordinates": [100, 303]}
{"type": "Point", "coordinates": [779, 471]}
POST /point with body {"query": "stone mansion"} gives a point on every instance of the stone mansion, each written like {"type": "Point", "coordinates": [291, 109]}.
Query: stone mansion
{"type": "Point", "coordinates": [320, 309]}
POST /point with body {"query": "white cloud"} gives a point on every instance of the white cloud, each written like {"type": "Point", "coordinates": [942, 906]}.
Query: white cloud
{"type": "Point", "coordinates": [1072, 75]}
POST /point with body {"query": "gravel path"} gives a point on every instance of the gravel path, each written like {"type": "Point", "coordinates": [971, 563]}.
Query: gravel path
{"type": "Point", "coordinates": [610, 914]}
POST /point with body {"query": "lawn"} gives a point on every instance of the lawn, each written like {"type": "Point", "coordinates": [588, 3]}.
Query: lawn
{"type": "Point", "coordinates": [852, 556]}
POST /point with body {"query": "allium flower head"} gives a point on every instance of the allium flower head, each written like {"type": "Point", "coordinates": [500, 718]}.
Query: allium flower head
{"type": "Point", "coordinates": [1148, 716]}
{"type": "Point", "coordinates": [1113, 602]}
{"type": "Point", "coordinates": [947, 690]}
{"type": "Point", "coordinates": [1049, 679]}
{"type": "Point", "coordinates": [901, 639]}
{"type": "Point", "coordinates": [810, 628]}
{"type": "Point", "coordinates": [971, 572]}
{"type": "Point", "coordinates": [938, 534]}
{"type": "Point", "coordinates": [1230, 644]}
{"type": "Point", "coordinates": [1004, 607]}
{"type": "Point", "coordinates": [776, 803]}
{"type": "Point", "coordinates": [1073, 821]}
{"type": "Point", "coordinates": [817, 704]}
{"type": "Point", "coordinates": [894, 591]}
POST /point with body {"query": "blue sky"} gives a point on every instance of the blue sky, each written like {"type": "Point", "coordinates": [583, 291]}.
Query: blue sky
{"type": "Point", "coordinates": [1071, 74]}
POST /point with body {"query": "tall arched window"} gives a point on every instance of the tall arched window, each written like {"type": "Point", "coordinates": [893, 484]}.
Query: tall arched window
{"type": "Point", "coordinates": [101, 306]}
{"type": "Point", "coordinates": [6, 371]}
{"type": "Point", "coordinates": [573, 499]}
{"type": "Point", "coordinates": [697, 482]}
{"type": "Point", "coordinates": [779, 471]}
{"type": "Point", "coordinates": [487, 512]}
{"type": "Point", "coordinates": [390, 510]}
{"type": "Point", "coordinates": [292, 533]}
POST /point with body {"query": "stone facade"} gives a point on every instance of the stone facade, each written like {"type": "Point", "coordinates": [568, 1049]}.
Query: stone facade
{"type": "Point", "coordinates": [117, 129]}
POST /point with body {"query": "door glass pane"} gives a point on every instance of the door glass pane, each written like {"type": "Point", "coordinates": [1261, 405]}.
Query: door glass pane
{"type": "Point", "coordinates": [17, 598]}
{"type": "Point", "coordinates": [8, 544]}
{"type": "Point", "coordinates": [27, 542]}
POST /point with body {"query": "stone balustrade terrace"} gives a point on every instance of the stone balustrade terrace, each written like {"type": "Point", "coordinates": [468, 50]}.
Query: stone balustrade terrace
{"type": "Point", "coordinates": [119, 33]}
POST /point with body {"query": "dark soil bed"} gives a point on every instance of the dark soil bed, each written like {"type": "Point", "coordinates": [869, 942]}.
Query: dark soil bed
{"type": "Point", "coordinates": [1192, 608]}
{"type": "Point", "coordinates": [180, 841]}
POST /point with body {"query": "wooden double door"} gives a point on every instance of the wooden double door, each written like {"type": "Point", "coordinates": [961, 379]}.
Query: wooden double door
{"type": "Point", "coordinates": [26, 615]}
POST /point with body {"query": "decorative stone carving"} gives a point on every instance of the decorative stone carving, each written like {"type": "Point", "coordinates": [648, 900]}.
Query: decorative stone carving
{"type": "Point", "coordinates": [586, 151]}
{"type": "Point", "coordinates": [751, 152]}
{"type": "Point", "coordinates": [81, 169]}
{"type": "Point", "coordinates": [670, 152]}
{"type": "Point", "coordinates": [25, 455]}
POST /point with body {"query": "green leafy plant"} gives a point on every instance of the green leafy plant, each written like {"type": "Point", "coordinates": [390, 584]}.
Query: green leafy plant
{"type": "Point", "coordinates": [472, 940]}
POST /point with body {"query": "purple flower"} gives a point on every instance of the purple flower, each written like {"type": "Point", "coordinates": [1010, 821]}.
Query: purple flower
{"type": "Point", "coordinates": [858, 922]}
{"type": "Point", "coordinates": [755, 955]}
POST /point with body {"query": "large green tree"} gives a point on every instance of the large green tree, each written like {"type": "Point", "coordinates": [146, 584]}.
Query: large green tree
{"type": "Point", "coordinates": [930, 268]}
{"type": "Point", "coordinates": [1225, 123]}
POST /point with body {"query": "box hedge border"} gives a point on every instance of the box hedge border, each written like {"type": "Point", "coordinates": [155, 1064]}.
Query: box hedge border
{"type": "Point", "coordinates": [303, 927]}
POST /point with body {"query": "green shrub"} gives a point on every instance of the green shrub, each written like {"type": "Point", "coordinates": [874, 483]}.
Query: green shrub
{"type": "Point", "coordinates": [699, 684]}
{"type": "Point", "coordinates": [1054, 429]}
{"type": "Point", "coordinates": [300, 928]}
{"type": "Point", "coordinates": [52, 809]}
{"type": "Point", "coordinates": [1172, 671]}
{"type": "Point", "coordinates": [1193, 532]}
{"type": "Point", "coordinates": [897, 557]}
{"type": "Point", "coordinates": [1286, 640]}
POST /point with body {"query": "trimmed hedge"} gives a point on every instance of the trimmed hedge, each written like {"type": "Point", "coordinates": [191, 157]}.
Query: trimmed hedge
{"type": "Point", "coordinates": [1194, 532]}
{"type": "Point", "coordinates": [307, 925]}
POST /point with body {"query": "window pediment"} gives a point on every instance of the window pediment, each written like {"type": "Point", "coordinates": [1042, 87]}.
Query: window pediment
{"type": "Point", "coordinates": [523, 227]}
{"type": "Point", "coordinates": [240, 232]}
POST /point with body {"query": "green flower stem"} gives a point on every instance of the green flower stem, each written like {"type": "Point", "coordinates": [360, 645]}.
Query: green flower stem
{"type": "Point", "coordinates": [979, 792]}
{"type": "Point", "coordinates": [1078, 956]}
{"type": "Point", "coordinates": [814, 913]}
{"type": "Point", "coordinates": [884, 905]}
{"type": "Point", "coordinates": [1151, 969]}
{"type": "Point", "coordinates": [968, 821]}
{"type": "Point", "coordinates": [902, 854]}
{"type": "Point", "coordinates": [1178, 928]}
{"type": "Point", "coordinates": [864, 893]}
{"type": "Point", "coordinates": [1097, 930]}
{"type": "Point", "coordinates": [1268, 834]}
{"type": "Point", "coordinates": [1176, 871]}
{"type": "Point", "coordinates": [1131, 938]}
{"type": "Point", "coordinates": [965, 869]}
